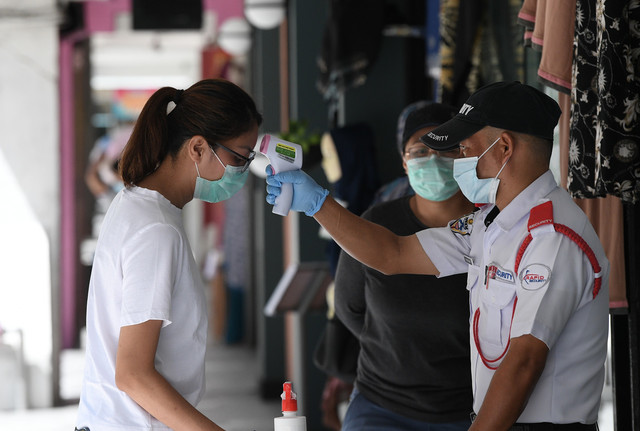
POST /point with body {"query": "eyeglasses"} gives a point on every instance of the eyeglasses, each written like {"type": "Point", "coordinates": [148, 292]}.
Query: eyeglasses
{"type": "Point", "coordinates": [423, 151]}
{"type": "Point", "coordinates": [247, 160]}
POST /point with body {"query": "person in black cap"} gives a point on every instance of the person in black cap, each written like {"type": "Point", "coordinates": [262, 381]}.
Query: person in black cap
{"type": "Point", "coordinates": [401, 384]}
{"type": "Point", "coordinates": [537, 273]}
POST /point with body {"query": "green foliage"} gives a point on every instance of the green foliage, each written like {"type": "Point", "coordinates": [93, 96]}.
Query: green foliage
{"type": "Point", "coordinates": [299, 134]}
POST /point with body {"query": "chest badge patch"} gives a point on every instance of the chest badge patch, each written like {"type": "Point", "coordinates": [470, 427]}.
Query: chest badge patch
{"type": "Point", "coordinates": [535, 276]}
{"type": "Point", "coordinates": [462, 226]}
{"type": "Point", "coordinates": [494, 272]}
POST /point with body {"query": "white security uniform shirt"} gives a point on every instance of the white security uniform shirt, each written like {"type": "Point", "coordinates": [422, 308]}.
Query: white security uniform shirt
{"type": "Point", "coordinates": [143, 270]}
{"type": "Point", "coordinates": [554, 291]}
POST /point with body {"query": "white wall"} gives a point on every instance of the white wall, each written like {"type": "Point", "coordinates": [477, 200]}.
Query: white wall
{"type": "Point", "coordinates": [29, 184]}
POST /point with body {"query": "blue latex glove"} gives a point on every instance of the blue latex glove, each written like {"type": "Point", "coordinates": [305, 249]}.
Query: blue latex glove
{"type": "Point", "coordinates": [308, 196]}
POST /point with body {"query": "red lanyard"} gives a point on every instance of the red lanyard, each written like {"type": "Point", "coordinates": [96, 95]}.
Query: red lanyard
{"type": "Point", "coordinates": [489, 362]}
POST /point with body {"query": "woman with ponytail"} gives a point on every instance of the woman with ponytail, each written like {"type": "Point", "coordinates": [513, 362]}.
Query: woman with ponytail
{"type": "Point", "coordinates": [146, 311]}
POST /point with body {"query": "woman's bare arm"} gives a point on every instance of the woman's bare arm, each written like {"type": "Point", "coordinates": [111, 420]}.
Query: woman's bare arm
{"type": "Point", "coordinates": [137, 377]}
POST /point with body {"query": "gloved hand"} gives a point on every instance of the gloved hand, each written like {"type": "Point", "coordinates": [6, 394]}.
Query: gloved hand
{"type": "Point", "coordinates": [308, 196]}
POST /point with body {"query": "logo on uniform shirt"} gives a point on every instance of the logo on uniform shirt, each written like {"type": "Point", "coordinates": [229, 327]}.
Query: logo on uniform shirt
{"type": "Point", "coordinates": [535, 276]}
{"type": "Point", "coordinates": [462, 226]}
{"type": "Point", "coordinates": [494, 272]}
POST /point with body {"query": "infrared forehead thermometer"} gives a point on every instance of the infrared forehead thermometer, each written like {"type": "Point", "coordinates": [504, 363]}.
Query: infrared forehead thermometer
{"type": "Point", "coordinates": [283, 156]}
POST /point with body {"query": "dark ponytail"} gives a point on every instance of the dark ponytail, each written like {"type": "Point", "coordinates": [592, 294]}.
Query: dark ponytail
{"type": "Point", "coordinates": [216, 109]}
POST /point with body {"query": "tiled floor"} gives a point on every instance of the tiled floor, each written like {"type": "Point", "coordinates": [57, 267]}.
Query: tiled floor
{"type": "Point", "coordinates": [231, 400]}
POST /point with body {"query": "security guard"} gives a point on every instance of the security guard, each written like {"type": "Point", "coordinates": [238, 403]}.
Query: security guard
{"type": "Point", "coordinates": [537, 273]}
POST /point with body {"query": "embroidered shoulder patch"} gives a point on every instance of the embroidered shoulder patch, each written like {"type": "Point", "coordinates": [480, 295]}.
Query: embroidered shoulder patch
{"type": "Point", "coordinates": [535, 276]}
{"type": "Point", "coordinates": [462, 226]}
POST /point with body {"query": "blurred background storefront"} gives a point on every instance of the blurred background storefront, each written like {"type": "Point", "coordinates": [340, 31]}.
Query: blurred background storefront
{"type": "Point", "coordinates": [75, 74]}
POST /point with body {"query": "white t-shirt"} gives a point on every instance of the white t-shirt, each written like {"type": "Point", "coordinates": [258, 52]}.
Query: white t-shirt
{"type": "Point", "coordinates": [143, 270]}
{"type": "Point", "coordinates": [554, 292]}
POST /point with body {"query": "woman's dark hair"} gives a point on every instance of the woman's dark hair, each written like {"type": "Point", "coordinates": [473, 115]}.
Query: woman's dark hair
{"type": "Point", "coordinates": [215, 109]}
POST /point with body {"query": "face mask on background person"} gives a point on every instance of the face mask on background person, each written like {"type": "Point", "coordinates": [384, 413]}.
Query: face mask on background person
{"type": "Point", "coordinates": [432, 177]}
{"type": "Point", "coordinates": [478, 191]}
{"type": "Point", "coordinates": [222, 189]}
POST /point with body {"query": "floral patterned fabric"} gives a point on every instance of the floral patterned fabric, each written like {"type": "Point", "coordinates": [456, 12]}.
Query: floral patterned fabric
{"type": "Point", "coordinates": [604, 150]}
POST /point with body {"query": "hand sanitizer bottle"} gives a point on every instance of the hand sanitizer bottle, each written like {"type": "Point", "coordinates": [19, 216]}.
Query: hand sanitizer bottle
{"type": "Point", "coordinates": [289, 421]}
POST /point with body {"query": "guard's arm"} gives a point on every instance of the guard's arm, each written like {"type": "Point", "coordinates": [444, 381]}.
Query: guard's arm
{"type": "Point", "coordinates": [372, 244]}
{"type": "Point", "coordinates": [512, 384]}
{"type": "Point", "coordinates": [367, 242]}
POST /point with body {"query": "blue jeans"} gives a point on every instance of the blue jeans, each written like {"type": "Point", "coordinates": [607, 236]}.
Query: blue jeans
{"type": "Point", "coordinates": [363, 415]}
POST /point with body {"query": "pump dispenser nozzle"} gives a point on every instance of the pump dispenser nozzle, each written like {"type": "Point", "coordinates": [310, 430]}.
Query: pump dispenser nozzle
{"type": "Point", "coordinates": [289, 399]}
{"type": "Point", "coordinates": [289, 421]}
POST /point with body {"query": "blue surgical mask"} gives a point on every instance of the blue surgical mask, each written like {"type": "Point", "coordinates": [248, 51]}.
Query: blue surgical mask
{"type": "Point", "coordinates": [478, 191]}
{"type": "Point", "coordinates": [222, 189]}
{"type": "Point", "coordinates": [432, 177]}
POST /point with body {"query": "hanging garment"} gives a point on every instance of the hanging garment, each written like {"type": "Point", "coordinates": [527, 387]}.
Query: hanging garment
{"type": "Point", "coordinates": [604, 214]}
{"type": "Point", "coordinates": [358, 181]}
{"type": "Point", "coordinates": [458, 31]}
{"type": "Point", "coordinates": [350, 44]}
{"type": "Point", "coordinates": [355, 146]}
{"type": "Point", "coordinates": [480, 44]}
{"type": "Point", "coordinates": [604, 151]}
{"type": "Point", "coordinates": [551, 22]}
{"type": "Point", "coordinates": [432, 38]}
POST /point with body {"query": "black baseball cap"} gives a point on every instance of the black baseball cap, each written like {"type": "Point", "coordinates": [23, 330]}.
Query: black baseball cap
{"type": "Point", "coordinates": [429, 115]}
{"type": "Point", "coordinates": [505, 105]}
